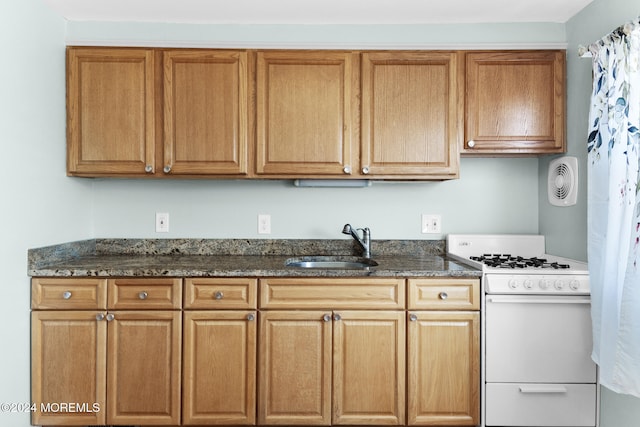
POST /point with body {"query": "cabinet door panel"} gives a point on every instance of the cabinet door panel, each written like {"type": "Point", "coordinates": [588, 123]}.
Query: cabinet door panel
{"type": "Point", "coordinates": [68, 350]}
{"type": "Point", "coordinates": [369, 367]}
{"type": "Point", "coordinates": [444, 368]}
{"type": "Point", "coordinates": [206, 111]}
{"type": "Point", "coordinates": [411, 113]}
{"type": "Point", "coordinates": [515, 102]}
{"type": "Point", "coordinates": [219, 367]}
{"type": "Point", "coordinates": [294, 368]}
{"type": "Point", "coordinates": [306, 112]}
{"type": "Point", "coordinates": [110, 111]}
{"type": "Point", "coordinates": [143, 381]}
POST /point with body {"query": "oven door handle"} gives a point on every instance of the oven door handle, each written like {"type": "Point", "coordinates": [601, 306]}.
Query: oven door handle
{"type": "Point", "coordinates": [542, 389]}
{"type": "Point", "coordinates": [534, 300]}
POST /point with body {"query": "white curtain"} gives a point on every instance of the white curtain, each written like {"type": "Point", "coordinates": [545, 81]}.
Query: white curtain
{"type": "Point", "coordinates": [614, 208]}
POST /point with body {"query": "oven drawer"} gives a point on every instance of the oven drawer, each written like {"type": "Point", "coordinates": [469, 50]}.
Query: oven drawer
{"type": "Point", "coordinates": [541, 405]}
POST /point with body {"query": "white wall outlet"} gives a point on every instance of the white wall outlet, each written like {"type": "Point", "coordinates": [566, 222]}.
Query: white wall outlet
{"type": "Point", "coordinates": [431, 224]}
{"type": "Point", "coordinates": [264, 224]}
{"type": "Point", "coordinates": [162, 222]}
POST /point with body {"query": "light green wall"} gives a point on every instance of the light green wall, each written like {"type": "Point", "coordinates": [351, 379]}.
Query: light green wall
{"type": "Point", "coordinates": [566, 228]}
{"type": "Point", "coordinates": [39, 205]}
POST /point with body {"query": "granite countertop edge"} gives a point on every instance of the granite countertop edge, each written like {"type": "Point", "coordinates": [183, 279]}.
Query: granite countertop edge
{"type": "Point", "coordinates": [237, 258]}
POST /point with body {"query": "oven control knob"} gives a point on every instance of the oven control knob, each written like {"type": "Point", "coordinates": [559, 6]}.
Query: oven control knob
{"type": "Point", "coordinates": [528, 284]}
{"type": "Point", "coordinates": [544, 284]}
{"type": "Point", "coordinates": [512, 283]}
{"type": "Point", "coordinates": [558, 284]}
{"type": "Point", "coordinates": [574, 285]}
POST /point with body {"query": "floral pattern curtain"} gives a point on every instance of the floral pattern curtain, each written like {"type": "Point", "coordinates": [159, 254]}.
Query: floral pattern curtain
{"type": "Point", "coordinates": [614, 208]}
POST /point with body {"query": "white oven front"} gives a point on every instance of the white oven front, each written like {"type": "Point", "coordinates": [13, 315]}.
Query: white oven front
{"type": "Point", "coordinates": [538, 370]}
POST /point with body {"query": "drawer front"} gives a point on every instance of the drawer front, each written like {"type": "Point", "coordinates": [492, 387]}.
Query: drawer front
{"type": "Point", "coordinates": [141, 294]}
{"type": "Point", "coordinates": [221, 293]}
{"type": "Point", "coordinates": [444, 294]}
{"type": "Point", "coordinates": [541, 405]}
{"type": "Point", "coordinates": [68, 294]}
{"type": "Point", "coordinates": [329, 293]}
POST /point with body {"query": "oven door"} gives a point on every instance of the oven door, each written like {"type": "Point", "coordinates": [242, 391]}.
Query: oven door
{"type": "Point", "coordinates": [539, 339]}
{"type": "Point", "coordinates": [538, 366]}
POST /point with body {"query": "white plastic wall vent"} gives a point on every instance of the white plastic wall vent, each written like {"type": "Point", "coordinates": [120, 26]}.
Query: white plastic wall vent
{"type": "Point", "coordinates": [562, 184]}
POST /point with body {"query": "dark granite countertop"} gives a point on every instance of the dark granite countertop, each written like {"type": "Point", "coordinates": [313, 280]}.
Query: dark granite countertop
{"type": "Point", "coordinates": [237, 258]}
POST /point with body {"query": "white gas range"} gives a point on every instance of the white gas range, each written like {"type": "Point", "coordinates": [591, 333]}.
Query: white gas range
{"type": "Point", "coordinates": [518, 264]}
{"type": "Point", "coordinates": [536, 340]}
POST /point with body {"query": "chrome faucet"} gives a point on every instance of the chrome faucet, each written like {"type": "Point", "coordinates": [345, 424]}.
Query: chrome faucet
{"type": "Point", "coordinates": [364, 242]}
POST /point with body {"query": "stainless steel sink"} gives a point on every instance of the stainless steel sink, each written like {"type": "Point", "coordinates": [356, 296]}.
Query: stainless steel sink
{"type": "Point", "coordinates": [331, 262]}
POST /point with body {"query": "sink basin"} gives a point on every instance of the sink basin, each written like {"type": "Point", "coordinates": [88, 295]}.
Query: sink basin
{"type": "Point", "coordinates": [331, 262]}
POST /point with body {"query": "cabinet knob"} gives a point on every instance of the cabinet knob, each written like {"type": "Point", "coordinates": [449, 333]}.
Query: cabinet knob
{"type": "Point", "coordinates": [365, 170]}
{"type": "Point", "coordinates": [251, 317]}
{"type": "Point", "coordinates": [443, 295]}
{"type": "Point", "coordinates": [100, 316]}
{"type": "Point", "coordinates": [471, 144]}
{"type": "Point", "coordinates": [148, 169]}
{"type": "Point", "coordinates": [167, 169]}
{"type": "Point", "coordinates": [347, 169]}
{"type": "Point", "coordinates": [143, 295]}
{"type": "Point", "coordinates": [413, 317]}
{"type": "Point", "coordinates": [66, 294]}
{"type": "Point", "coordinates": [218, 295]}
{"type": "Point", "coordinates": [337, 317]}
{"type": "Point", "coordinates": [326, 318]}
{"type": "Point", "coordinates": [110, 317]}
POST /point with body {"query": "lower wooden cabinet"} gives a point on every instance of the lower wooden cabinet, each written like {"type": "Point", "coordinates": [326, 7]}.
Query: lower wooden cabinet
{"type": "Point", "coordinates": [323, 368]}
{"type": "Point", "coordinates": [103, 366]}
{"type": "Point", "coordinates": [443, 368]}
{"type": "Point", "coordinates": [315, 351]}
{"type": "Point", "coordinates": [219, 376]}
{"type": "Point", "coordinates": [443, 352]}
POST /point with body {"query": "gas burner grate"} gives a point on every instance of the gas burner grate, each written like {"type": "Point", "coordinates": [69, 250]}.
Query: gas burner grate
{"type": "Point", "coordinates": [514, 262]}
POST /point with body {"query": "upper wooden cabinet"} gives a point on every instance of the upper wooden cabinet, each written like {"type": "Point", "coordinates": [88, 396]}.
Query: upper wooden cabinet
{"type": "Point", "coordinates": [515, 102]}
{"type": "Point", "coordinates": [411, 114]}
{"type": "Point", "coordinates": [110, 111]}
{"type": "Point", "coordinates": [307, 113]}
{"type": "Point", "coordinates": [337, 114]}
{"type": "Point", "coordinates": [146, 112]}
{"type": "Point", "coordinates": [206, 112]}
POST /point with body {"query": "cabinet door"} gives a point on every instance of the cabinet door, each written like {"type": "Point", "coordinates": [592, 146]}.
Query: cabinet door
{"type": "Point", "coordinates": [68, 350]}
{"type": "Point", "coordinates": [294, 368]}
{"type": "Point", "coordinates": [443, 368]}
{"type": "Point", "coordinates": [219, 367]}
{"type": "Point", "coordinates": [110, 111]}
{"type": "Point", "coordinates": [369, 368]}
{"type": "Point", "coordinates": [411, 114]}
{"type": "Point", "coordinates": [143, 381]}
{"type": "Point", "coordinates": [206, 112]}
{"type": "Point", "coordinates": [515, 102]}
{"type": "Point", "coordinates": [306, 112]}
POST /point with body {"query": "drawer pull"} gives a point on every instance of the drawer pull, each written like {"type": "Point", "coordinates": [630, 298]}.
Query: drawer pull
{"type": "Point", "coordinates": [413, 317]}
{"type": "Point", "coordinates": [443, 295]}
{"type": "Point", "coordinates": [143, 295]}
{"type": "Point", "coordinates": [543, 389]}
{"type": "Point", "coordinates": [337, 317]}
{"type": "Point", "coordinates": [66, 295]}
{"type": "Point", "coordinates": [251, 317]}
{"type": "Point", "coordinates": [100, 316]}
{"type": "Point", "coordinates": [326, 318]}
{"type": "Point", "coordinates": [218, 295]}
{"type": "Point", "coordinates": [110, 317]}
